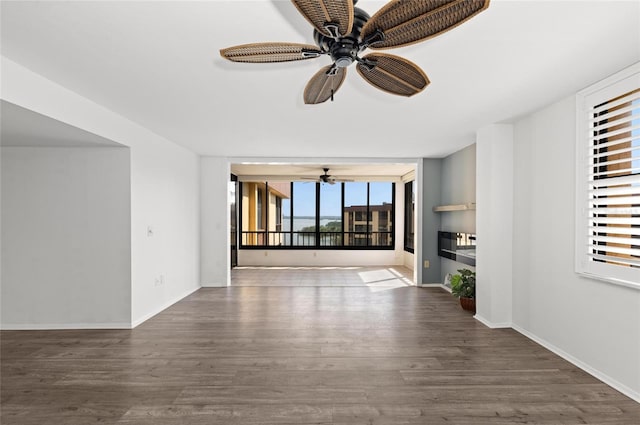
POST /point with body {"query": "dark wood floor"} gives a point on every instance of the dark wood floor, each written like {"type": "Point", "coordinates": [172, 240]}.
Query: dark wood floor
{"type": "Point", "coordinates": [300, 355]}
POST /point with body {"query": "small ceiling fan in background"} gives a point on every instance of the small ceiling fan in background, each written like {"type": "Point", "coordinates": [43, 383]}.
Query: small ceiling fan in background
{"type": "Point", "coordinates": [343, 31]}
{"type": "Point", "coordinates": [326, 178]}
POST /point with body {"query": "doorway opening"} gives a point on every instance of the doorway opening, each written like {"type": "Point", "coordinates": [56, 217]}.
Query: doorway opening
{"type": "Point", "coordinates": [342, 238]}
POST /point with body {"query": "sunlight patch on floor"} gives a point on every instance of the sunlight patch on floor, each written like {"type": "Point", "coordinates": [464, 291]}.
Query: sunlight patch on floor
{"type": "Point", "coordinates": [387, 285]}
{"type": "Point", "coordinates": [384, 279]}
{"type": "Point", "coordinates": [376, 275]}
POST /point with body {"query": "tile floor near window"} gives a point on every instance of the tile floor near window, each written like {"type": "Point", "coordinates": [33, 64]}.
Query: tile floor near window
{"type": "Point", "coordinates": [372, 351]}
{"type": "Point", "coordinates": [372, 277]}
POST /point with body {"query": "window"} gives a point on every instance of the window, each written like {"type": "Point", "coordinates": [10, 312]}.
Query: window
{"type": "Point", "coordinates": [287, 214]}
{"type": "Point", "coordinates": [330, 216]}
{"type": "Point", "coordinates": [608, 208]}
{"type": "Point", "coordinates": [261, 213]}
{"type": "Point", "coordinates": [252, 221]}
{"type": "Point", "coordinates": [368, 212]}
{"type": "Point", "coordinates": [315, 215]}
{"type": "Point", "coordinates": [278, 214]}
{"type": "Point", "coordinates": [409, 211]}
{"type": "Point", "coordinates": [260, 218]}
{"type": "Point", "coordinates": [355, 213]}
{"type": "Point", "coordinates": [304, 214]}
{"type": "Point", "coordinates": [380, 208]}
{"type": "Point", "coordinates": [276, 237]}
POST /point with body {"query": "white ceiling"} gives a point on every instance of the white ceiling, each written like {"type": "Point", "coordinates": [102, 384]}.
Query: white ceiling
{"type": "Point", "coordinates": [22, 127]}
{"type": "Point", "coordinates": [353, 171]}
{"type": "Point", "coordinates": [157, 63]}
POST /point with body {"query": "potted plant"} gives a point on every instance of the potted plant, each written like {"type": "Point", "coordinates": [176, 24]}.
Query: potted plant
{"type": "Point", "coordinates": [463, 286]}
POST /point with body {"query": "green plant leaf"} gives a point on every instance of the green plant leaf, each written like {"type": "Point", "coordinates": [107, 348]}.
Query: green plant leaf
{"type": "Point", "coordinates": [463, 284]}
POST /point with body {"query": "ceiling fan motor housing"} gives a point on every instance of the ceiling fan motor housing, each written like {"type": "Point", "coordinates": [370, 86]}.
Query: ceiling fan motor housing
{"type": "Point", "coordinates": [344, 50]}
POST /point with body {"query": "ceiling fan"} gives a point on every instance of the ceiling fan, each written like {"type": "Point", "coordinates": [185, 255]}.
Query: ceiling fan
{"type": "Point", "coordinates": [343, 31]}
{"type": "Point", "coordinates": [326, 178]}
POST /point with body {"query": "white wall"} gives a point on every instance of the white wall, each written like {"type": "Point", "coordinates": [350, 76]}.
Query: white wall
{"type": "Point", "coordinates": [215, 260]}
{"type": "Point", "coordinates": [165, 198]}
{"type": "Point", "coordinates": [594, 324]}
{"type": "Point", "coordinates": [408, 259]}
{"type": "Point", "coordinates": [494, 224]}
{"type": "Point", "coordinates": [66, 258]}
{"type": "Point", "coordinates": [164, 189]}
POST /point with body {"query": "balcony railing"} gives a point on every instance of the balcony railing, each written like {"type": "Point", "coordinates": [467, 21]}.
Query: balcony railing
{"type": "Point", "coordinates": [308, 239]}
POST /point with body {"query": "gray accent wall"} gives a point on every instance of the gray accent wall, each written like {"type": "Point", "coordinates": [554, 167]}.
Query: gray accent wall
{"type": "Point", "coordinates": [458, 187]}
{"type": "Point", "coordinates": [431, 197]}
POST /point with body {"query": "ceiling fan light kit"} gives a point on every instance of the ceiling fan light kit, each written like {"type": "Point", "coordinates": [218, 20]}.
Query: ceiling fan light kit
{"type": "Point", "coordinates": [343, 31]}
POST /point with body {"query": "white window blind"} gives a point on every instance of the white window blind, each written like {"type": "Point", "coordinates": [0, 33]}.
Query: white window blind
{"type": "Point", "coordinates": [608, 225]}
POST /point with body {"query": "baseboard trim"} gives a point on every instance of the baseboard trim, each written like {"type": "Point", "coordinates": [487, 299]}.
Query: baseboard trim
{"type": "Point", "coordinates": [490, 324]}
{"type": "Point", "coordinates": [163, 307]}
{"type": "Point", "coordinates": [435, 285]}
{"type": "Point", "coordinates": [214, 285]}
{"type": "Point", "coordinates": [62, 326]}
{"type": "Point", "coordinates": [629, 392]}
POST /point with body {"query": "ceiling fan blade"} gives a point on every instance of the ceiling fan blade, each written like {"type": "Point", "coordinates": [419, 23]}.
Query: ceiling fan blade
{"type": "Point", "coordinates": [324, 84]}
{"type": "Point", "coordinates": [270, 52]}
{"type": "Point", "coordinates": [393, 74]}
{"type": "Point", "coordinates": [403, 22]}
{"type": "Point", "coordinates": [332, 18]}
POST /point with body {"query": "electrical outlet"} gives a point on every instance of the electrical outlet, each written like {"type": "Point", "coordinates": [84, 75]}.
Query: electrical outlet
{"type": "Point", "coordinates": [427, 264]}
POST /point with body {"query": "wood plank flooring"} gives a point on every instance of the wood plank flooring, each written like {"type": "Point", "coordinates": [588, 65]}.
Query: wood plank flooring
{"type": "Point", "coordinates": [300, 355]}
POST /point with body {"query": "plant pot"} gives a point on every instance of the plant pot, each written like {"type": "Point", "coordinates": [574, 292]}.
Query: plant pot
{"type": "Point", "coordinates": [468, 304]}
